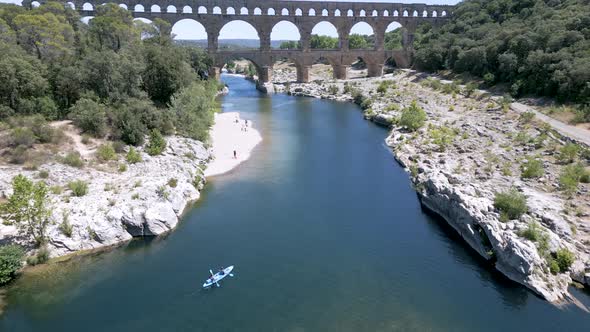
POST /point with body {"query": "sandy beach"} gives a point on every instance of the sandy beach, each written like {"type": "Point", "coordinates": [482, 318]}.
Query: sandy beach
{"type": "Point", "coordinates": [228, 136]}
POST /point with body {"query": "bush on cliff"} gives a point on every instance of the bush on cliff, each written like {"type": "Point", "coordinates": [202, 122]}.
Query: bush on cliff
{"type": "Point", "coordinates": [157, 143]}
{"type": "Point", "coordinates": [532, 168]}
{"type": "Point", "coordinates": [11, 260]}
{"type": "Point", "coordinates": [511, 204]}
{"type": "Point", "coordinates": [413, 117]}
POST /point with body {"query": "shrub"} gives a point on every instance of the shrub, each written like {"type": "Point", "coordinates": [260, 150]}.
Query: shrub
{"type": "Point", "coordinates": [106, 152]}
{"type": "Point", "coordinates": [122, 168]}
{"type": "Point", "coordinates": [532, 232]}
{"type": "Point", "coordinates": [564, 259]}
{"type": "Point", "coordinates": [333, 90]}
{"type": "Point", "coordinates": [173, 182]}
{"type": "Point", "coordinates": [489, 79]}
{"type": "Point", "coordinates": [568, 153]}
{"type": "Point", "coordinates": [118, 146]}
{"type": "Point", "coordinates": [85, 139]}
{"type": "Point", "coordinates": [133, 156]}
{"type": "Point", "coordinates": [392, 107]}
{"type": "Point", "coordinates": [162, 192]}
{"type": "Point", "coordinates": [41, 257]}
{"type": "Point", "coordinates": [532, 168]}
{"type": "Point", "coordinates": [90, 116]}
{"type": "Point", "coordinates": [553, 266]}
{"type": "Point", "coordinates": [469, 89]}
{"type": "Point", "coordinates": [23, 137]}
{"type": "Point", "coordinates": [43, 174]}
{"type": "Point", "coordinates": [65, 227]}
{"type": "Point", "coordinates": [511, 204]}
{"type": "Point", "coordinates": [571, 176]}
{"type": "Point", "coordinates": [526, 117]}
{"type": "Point", "coordinates": [79, 188]}
{"type": "Point", "coordinates": [73, 159]}
{"type": "Point", "coordinates": [11, 260]}
{"type": "Point", "coordinates": [442, 136]}
{"type": "Point", "coordinates": [157, 143]}
{"type": "Point", "coordinates": [383, 86]}
{"type": "Point", "coordinates": [413, 117]}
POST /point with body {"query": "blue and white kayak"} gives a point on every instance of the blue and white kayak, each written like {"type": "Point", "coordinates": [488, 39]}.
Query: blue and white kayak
{"type": "Point", "coordinates": [215, 278]}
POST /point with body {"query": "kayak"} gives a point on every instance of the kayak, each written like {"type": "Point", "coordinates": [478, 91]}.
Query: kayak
{"type": "Point", "coordinates": [214, 279]}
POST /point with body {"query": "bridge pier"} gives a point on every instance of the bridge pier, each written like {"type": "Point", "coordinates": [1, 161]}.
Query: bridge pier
{"type": "Point", "coordinates": [214, 73]}
{"type": "Point", "coordinates": [303, 74]}
{"type": "Point", "coordinates": [340, 72]}
{"type": "Point", "coordinates": [374, 69]}
{"type": "Point", "coordinates": [265, 74]}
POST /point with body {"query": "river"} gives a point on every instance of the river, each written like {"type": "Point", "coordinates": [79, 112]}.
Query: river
{"type": "Point", "coordinates": [325, 232]}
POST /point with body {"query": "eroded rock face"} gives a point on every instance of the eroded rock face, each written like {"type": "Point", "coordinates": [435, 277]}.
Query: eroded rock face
{"type": "Point", "coordinates": [119, 206]}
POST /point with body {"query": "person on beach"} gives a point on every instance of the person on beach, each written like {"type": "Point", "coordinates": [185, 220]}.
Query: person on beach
{"type": "Point", "coordinates": [235, 155]}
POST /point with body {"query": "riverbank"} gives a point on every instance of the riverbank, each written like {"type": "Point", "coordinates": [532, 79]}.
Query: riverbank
{"type": "Point", "coordinates": [472, 147]}
{"type": "Point", "coordinates": [146, 198]}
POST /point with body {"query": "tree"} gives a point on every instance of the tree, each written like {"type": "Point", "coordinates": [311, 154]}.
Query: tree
{"type": "Point", "coordinates": [11, 260]}
{"type": "Point", "coordinates": [90, 116]}
{"type": "Point", "coordinates": [290, 45]}
{"type": "Point", "coordinates": [44, 34]}
{"type": "Point", "coordinates": [194, 108]}
{"type": "Point", "coordinates": [157, 143]}
{"type": "Point", "coordinates": [323, 42]}
{"type": "Point", "coordinates": [356, 41]}
{"type": "Point", "coordinates": [112, 28]}
{"type": "Point", "coordinates": [413, 117]}
{"type": "Point", "coordinates": [27, 208]}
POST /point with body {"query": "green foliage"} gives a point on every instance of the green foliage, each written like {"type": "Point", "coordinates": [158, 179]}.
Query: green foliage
{"type": "Point", "coordinates": [65, 227]}
{"type": "Point", "coordinates": [162, 193]}
{"type": "Point", "coordinates": [442, 136]}
{"type": "Point", "coordinates": [323, 42]}
{"type": "Point", "coordinates": [193, 109]}
{"type": "Point", "coordinates": [122, 168]}
{"type": "Point", "coordinates": [413, 117]}
{"type": "Point", "coordinates": [533, 232]}
{"type": "Point", "coordinates": [90, 116]}
{"type": "Point", "coordinates": [22, 137]}
{"type": "Point", "coordinates": [27, 207]}
{"type": "Point", "coordinates": [290, 45]}
{"type": "Point", "coordinates": [564, 259]}
{"type": "Point", "coordinates": [333, 90]}
{"type": "Point", "coordinates": [73, 159]}
{"type": "Point", "coordinates": [359, 42]}
{"type": "Point", "coordinates": [157, 143]}
{"type": "Point", "coordinates": [133, 156]}
{"type": "Point", "coordinates": [511, 204]}
{"type": "Point", "coordinates": [568, 153]}
{"type": "Point", "coordinates": [527, 117]}
{"type": "Point", "coordinates": [571, 176]}
{"type": "Point", "coordinates": [11, 260]}
{"type": "Point", "coordinates": [79, 188]}
{"type": "Point", "coordinates": [534, 46]}
{"type": "Point", "coordinates": [532, 168]}
{"type": "Point", "coordinates": [106, 152]}
{"type": "Point", "coordinates": [172, 182]}
{"type": "Point", "coordinates": [553, 266]}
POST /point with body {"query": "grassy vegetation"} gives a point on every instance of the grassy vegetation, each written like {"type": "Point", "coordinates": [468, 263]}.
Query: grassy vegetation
{"type": "Point", "coordinates": [11, 258]}
{"type": "Point", "coordinates": [413, 117]}
{"type": "Point", "coordinates": [73, 159]}
{"type": "Point", "coordinates": [532, 168]}
{"type": "Point", "coordinates": [79, 188]}
{"type": "Point", "coordinates": [511, 204]}
{"type": "Point", "coordinates": [106, 152]}
{"type": "Point", "coordinates": [133, 156]}
{"type": "Point", "coordinates": [570, 177]}
{"type": "Point", "coordinates": [442, 136]}
{"type": "Point", "coordinates": [157, 143]}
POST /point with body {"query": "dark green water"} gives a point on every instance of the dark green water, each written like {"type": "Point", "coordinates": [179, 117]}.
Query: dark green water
{"type": "Point", "coordinates": [326, 235]}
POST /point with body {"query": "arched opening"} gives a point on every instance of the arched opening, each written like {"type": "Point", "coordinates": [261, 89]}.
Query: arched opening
{"type": "Point", "coordinates": [187, 10]}
{"type": "Point", "coordinates": [362, 13]}
{"type": "Point", "coordinates": [243, 11]}
{"type": "Point", "coordinates": [257, 11]}
{"type": "Point", "coordinates": [434, 14]}
{"type": "Point", "coordinates": [361, 37]}
{"type": "Point", "coordinates": [337, 12]}
{"type": "Point", "coordinates": [415, 14]}
{"type": "Point", "coordinates": [424, 14]}
{"type": "Point", "coordinates": [170, 9]}
{"type": "Point", "coordinates": [395, 13]}
{"type": "Point", "coordinates": [155, 9]}
{"type": "Point", "coordinates": [357, 69]}
{"type": "Point", "coordinates": [393, 36]}
{"type": "Point", "coordinates": [324, 35]}
{"type": "Point", "coordinates": [86, 19]}
{"type": "Point", "coordinates": [189, 29]}
{"type": "Point", "coordinates": [35, 4]}
{"type": "Point", "coordinates": [385, 13]}
{"type": "Point", "coordinates": [202, 10]}
{"type": "Point", "coordinates": [87, 6]}
{"type": "Point", "coordinates": [239, 30]}
{"type": "Point", "coordinates": [285, 35]}
{"type": "Point", "coordinates": [405, 13]}
{"type": "Point", "coordinates": [444, 13]}
{"type": "Point", "coordinates": [139, 9]}
{"type": "Point", "coordinates": [138, 21]}
{"type": "Point", "coordinates": [374, 13]}
{"type": "Point", "coordinates": [230, 11]}
{"type": "Point", "coordinates": [311, 12]}
{"type": "Point", "coordinates": [285, 12]}
{"type": "Point", "coordinates": [71, 4]}
{"type": "Point", "coordinates": [298, 12]}
{"type": "Point", "coordinates": [270, 12]}
{"type": "Point", "coordinates": [350, 13]}
{"type": "Point", "coordinates": [240, 66]}
{"type": "Point", "coordinates": [217, 10]}
{"type": "Point", "coordinates": [122, 5]}
{"type": "Point", "coordinates": [324, 12]}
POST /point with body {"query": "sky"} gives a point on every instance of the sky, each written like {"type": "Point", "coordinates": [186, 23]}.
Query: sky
{"type": "Point", "coordinates": [190, 29]}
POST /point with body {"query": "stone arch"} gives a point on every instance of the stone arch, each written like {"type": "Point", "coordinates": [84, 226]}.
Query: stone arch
{"type": "Point", "coordinates": [311, 12]}
{"type": "Point", "coordinates": [434, 13]}
{"type": "Point", "coordinates": [393, 36]}
{"type": "Point", "coordinates": [405, 14]}
{"type": "Point", "coordinates": [230, 11]}
{"type": "Point", "coordinates": [395, 13]}
{"type": "Point", "coordinates": [443, 14]}
{"type": "Point", "coordinates": [189, 28]}
{"type": "Point", "coordinates": [271, 12]}
{"type": "Point", "coordinates": [326, 26]}
{"type": "Point", "coordinates": [282, 30]}
{"type": "Point", "coordinates": [349, 13]}
{"type": "Point", "coordinates": [284, 12]}
{"type": "Point", "coordinates": [122, 5]}
{"type": "Point", "coordinates": [229, 29]}
{"type": "Point", "coordinates": [362, 13]}
{"type": "Point", "coordinates": [35, 4]}
{"type": "Point", "coordinates": [187, 10]}
{"type": "Point", "coordinates": [337, 12]}
{"type": "Point", "coordinates": [71, 4]}
{"type": "Point", "coordinates": [139, 9]}
{"type": "Point", "coordinates": [386, 13]}
{"type": "Point", "coordinates": [223, 61]}
{"type": "Point", "coordinates": [155, 9]}
{"type": "Point", "coordinates": [298, 12]}
{"type": "Point", "coordinates": [374, 13]}
{"type": "Point", "coordinates": [257, 11]}
{"type": "Point", "coordinates": [424, 13]}
{"type": "Point", "coordinates": [216, 10]}
{"type": "Point", "coordinates": [243, 11]}
{"type": "Point", "coordinates": [170, 9]}
{"type": "Point", "coordinates": [85, 6]}
{"type": "Point", "coordinates": [86, 19]}
{"type": "Point", "coordinates": [324, 12]}
{"type": "Point", "coordinates": [365, 30]}
{"type": "Point", "coordinates": [202, 10]}
{"type": "Point", "coordinates": [415, 13]}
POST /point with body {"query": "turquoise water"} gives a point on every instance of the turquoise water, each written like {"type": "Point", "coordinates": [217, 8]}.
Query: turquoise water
{"type": "Point", "coordinates": [325, 232]}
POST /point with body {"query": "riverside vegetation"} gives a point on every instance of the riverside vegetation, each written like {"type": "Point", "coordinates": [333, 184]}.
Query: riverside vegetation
{"type": "Point", "coordinates": [77, 103]}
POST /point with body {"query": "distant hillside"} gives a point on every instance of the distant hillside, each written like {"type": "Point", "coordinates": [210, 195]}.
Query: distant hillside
{"type": "Point", "coordinates": [230, 43]}
{"type": "Point", "coordinates": [537, 47]}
